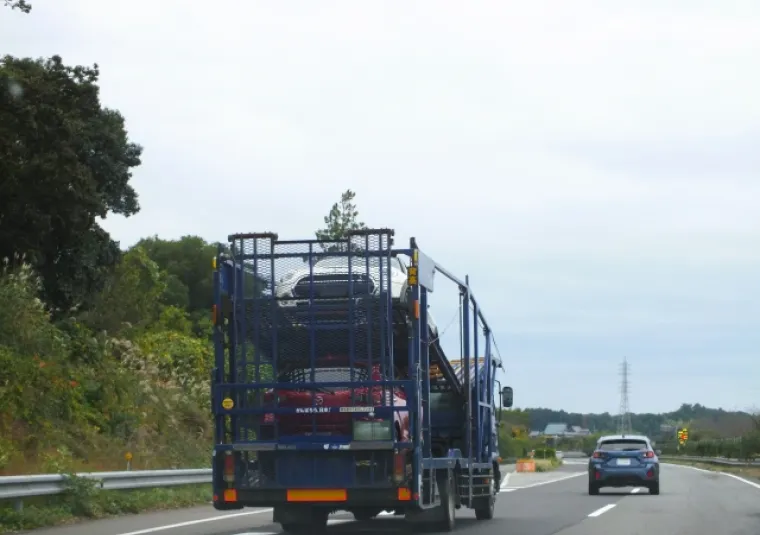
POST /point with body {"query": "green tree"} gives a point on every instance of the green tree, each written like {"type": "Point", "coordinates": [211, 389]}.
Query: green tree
{"type": "Point", "coordinates": [343, 217]}
{"type": "Point", "coordinates": [132, 298]}
{"type": "Point", "coordinates": [187, 262]}
{"type": "Point", "coordinates": [21, 5]}
{"type": "Point", "coordinates": [65, 161]}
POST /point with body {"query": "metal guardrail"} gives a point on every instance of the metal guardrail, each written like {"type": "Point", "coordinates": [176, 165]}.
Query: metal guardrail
{"type": "Point", "coordinates": [19, 487]}
{"type": "Point", "coordinates": [722, 461]}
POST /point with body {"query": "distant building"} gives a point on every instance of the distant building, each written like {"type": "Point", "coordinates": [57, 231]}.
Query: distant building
{"type": "Point", "coordinates": [564, 430]}
{"type": "Point", "coordinates": [556, 430]}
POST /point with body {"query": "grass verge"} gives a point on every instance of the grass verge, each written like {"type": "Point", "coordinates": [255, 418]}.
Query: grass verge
{"type": "Point", "coordinates": [749, 472]}
{"type": "Point", "coordinates": [81, 501]}
{"type": "Point", "coordinates": [547, 465]}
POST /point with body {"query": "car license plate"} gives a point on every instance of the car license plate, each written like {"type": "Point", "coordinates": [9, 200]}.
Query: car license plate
{"type": "Point", "coordinates": [624, 462]}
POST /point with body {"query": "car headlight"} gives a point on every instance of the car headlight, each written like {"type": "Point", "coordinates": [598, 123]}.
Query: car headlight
{"type": "Point", "coordinates": [372, 430]}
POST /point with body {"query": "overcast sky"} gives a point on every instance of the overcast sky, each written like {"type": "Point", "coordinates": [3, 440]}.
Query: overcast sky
{"type": "Point", "coordinates": [592, 165]}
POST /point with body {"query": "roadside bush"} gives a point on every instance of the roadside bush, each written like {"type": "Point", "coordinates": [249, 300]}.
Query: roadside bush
{"type": "Point", "coordinates": [545, 453]}
{"type": "Point", "coordinates": [76, 399]}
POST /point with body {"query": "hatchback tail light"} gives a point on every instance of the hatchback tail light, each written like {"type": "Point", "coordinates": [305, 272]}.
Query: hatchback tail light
{"type": "Point", "coordinates": [649, 455]}
{"type": "Point", "coordinates": [598, 455]}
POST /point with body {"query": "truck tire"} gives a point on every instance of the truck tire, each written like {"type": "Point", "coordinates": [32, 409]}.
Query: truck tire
{"type": "Point", "coordinates": [447, 485]}
{"type": "Point", "coordinates": [485, 508]}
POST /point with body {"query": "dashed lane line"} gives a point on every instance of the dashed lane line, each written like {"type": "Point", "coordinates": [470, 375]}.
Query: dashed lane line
{"type": "Point", "coordinates": [601, 510]}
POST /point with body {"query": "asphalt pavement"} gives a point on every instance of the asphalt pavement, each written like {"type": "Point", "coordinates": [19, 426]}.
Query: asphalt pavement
{"type": "Point", "coordinates": [692, 501]}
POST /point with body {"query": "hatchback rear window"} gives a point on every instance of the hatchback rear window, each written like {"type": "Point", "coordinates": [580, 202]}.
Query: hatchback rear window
{"type": "Point", "coordinates": [623, 445]}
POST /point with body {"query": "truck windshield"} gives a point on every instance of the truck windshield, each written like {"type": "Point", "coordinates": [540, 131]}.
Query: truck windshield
{"type": "Point", "coordinates": [623, 445]}
{"type": "Point", "coordinates": [331, 374]}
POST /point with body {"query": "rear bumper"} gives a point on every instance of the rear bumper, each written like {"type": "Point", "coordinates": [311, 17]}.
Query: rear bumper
{"type": "Point", "coordinates": [624, 477]}
{"type": "Point", "coordinates": [387, 498]}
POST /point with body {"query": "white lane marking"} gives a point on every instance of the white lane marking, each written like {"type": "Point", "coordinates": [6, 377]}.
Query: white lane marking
{"type": "Point", "coordinates": [386, 513]}
{"type": "Point", "coordinates": [747, 481]}
{"type": "Point", "coordinates": [506, 479]}
{"type": "Point", "coordinates": [691, 468]}
{"type": "Point", "coordinates": [551, 481]}
{"type": "Point", "coordinates": [511, 489]}
{"type": "Point", "coordinates": [195, 522]}
{"type": "Point", "coordinates": [602, 510]}
{"type": "Point", "coordinates": [636, 490]}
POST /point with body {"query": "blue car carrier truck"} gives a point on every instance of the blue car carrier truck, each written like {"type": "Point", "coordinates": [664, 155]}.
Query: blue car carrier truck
{"type": "Point", "coordinates": [331, 390]}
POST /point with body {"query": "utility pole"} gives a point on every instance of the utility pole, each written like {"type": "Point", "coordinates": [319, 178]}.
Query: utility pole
{"type": "Point", "coordinates": [624, 423]}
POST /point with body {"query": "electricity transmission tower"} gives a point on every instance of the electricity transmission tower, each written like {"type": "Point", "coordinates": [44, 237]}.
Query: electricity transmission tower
{"type": "Point", "coordinates": [624, 424]}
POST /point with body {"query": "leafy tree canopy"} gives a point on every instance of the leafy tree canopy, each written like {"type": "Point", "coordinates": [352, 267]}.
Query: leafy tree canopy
{"type": "Point", "coordinates": [65, 161]}
{"type": "Point", "coordinates": [343, 217]}
{"type": "Point", "coordinates": [21, 5]}
{"type": "Point", "coordinates": [187, 262]}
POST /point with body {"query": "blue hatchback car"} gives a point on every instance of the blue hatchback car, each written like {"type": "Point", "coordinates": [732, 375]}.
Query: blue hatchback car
{"type": "Point", "coordinates": [624, 461]}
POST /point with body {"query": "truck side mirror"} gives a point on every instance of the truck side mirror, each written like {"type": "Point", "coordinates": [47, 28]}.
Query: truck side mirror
{"type": "Point", "coordinates": [506, 397]}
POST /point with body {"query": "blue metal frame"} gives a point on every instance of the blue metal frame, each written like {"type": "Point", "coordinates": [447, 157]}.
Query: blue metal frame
{"type": "Point", "coordinates": [231, 375]}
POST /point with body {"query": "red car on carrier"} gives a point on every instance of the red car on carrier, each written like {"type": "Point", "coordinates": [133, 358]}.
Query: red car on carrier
{"type": "Point", "coordinates": [355, 422]}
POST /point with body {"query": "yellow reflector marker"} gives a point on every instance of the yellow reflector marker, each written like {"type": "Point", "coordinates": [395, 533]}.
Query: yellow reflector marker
{"type": "Point", "coordinates": [228, 404]}
{"type": "Point", "coordinates": [230, 495]}
{"type": "Point", "coordinates": [213, 263]}
{"type": "Point", "coordinates": [317, 495]}
{"type": "Point", "coordinates": [411, 276]}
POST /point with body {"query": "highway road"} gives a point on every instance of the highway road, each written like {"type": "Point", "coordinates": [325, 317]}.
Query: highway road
{"type": "Point", "coordinates": [692, 501]}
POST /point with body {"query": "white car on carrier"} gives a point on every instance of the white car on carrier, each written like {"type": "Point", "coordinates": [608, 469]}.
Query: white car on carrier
{"type": "Point", "coordinates": [330, 277]}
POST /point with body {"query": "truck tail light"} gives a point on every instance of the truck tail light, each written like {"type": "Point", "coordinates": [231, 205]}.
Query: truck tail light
{"type": "Point", "coordinates": [229, 467]}
{"type": "Point", "coordinates": [399, 465]}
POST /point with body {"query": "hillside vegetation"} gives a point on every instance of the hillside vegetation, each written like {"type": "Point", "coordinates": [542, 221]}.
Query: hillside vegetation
{"type": "Point", "coordinates": [712, 432]}
{"type": "Point", "coordinates": [129, 374]}
{"type": "Point", "coordinates": [704, 420]}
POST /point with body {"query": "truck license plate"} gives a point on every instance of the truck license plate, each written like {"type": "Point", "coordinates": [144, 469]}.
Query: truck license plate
{"type": "Point", "coordinates": [623, 462]}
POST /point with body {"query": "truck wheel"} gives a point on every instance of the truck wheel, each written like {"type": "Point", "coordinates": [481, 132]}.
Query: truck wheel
{"type": "Point", "coordinates": [485, 510]}
{"type": "Point", "coordinates": [448, 500]}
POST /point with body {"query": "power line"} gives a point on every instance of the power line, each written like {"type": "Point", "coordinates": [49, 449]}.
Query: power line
{"type": "Point", "coordinates": [624, 422]}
